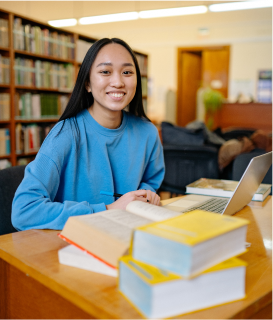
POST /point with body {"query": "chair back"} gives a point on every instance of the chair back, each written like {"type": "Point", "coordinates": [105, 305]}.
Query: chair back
{"type": "Point", "coordinates": [10, 179]}
{"type": "Point", "coordinates": [185, 164]}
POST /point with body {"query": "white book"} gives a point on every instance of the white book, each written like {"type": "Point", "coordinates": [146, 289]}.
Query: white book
{"type": "Point", "coordinates": [223, 188]}
{"type": "Point", "coordinates": [75, 257]}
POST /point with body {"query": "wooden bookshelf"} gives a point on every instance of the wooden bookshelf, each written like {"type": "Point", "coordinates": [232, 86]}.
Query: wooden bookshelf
{"type": "Point", "coordinates": [23, 29]}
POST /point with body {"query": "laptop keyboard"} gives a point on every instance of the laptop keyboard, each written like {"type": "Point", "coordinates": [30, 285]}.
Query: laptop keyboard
{"type": "Point", "coordinates": [216, 205]}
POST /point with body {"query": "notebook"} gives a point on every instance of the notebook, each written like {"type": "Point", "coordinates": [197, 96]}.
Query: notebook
{"type": "Point", "coordinates": [246, 188]}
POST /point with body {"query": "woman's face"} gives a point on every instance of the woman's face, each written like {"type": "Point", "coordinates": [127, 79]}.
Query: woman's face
{"type": "Point", "coordinates": [113, 78]}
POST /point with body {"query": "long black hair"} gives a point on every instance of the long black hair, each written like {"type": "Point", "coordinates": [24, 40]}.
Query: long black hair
{"type": "Point", "coordinates": [81, 99]}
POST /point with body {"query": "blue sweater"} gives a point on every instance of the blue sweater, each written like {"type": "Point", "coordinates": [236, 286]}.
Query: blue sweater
{"type": "Point", "coordinates": [71, 169]}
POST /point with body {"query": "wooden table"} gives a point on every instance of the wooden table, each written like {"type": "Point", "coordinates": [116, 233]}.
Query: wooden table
{"type": "Point", "coordinates": [34, 285]}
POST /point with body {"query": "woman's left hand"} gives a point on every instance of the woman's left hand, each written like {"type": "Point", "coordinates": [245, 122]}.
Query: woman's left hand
{"type": "Point", "coordinates": [153, 198]}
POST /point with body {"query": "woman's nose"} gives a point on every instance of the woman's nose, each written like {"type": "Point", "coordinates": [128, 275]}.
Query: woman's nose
{"type": "Point", "coordinates": [116, 80]}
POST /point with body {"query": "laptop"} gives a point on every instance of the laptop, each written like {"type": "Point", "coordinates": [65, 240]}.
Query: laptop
{"type": "Point", "coordinates": [246, 188]}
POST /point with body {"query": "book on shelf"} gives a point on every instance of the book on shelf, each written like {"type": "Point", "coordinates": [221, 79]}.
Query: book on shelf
{"type": "Point", "coordinates": [4, 163]}
{"type": "Point", "coordinates": [4, 106]}
{"type": "Point", "coordinates": [107, 234]}
{"type": "Point", "coordinates": [44, 74]}
{"type": "Point", "coordinates": [29, 138]}
{"type": "Point", "coordinates": [39, 105]}
{"type": "Point", "coordinates": [158, 293]}
{"type": "Point", "coordinates": [224, 188]}
{"type": "Point", "coordinates": [82, 48]}
{"type": "Point", "coordinates": [34, 39]}
{"type": "Point", "coordinates": [4, 142]}
{"type": "Point", "coordinates": [190, 243]}
{"type": "Point", "coordinates": [75, 257]}
{"type": "Point", "coordinates": [4, 70]}
{"type": "Point", "coordinates": [4, 29]}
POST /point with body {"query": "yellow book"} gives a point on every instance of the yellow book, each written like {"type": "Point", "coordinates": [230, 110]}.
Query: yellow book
{"type": "Point", "coordinates": [157, 293]}
{"type": "Point", "coordinates": [190, 243]}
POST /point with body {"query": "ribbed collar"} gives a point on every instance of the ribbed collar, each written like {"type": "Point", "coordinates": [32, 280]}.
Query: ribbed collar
{"type": "Point", "coordinates": [102, 130]}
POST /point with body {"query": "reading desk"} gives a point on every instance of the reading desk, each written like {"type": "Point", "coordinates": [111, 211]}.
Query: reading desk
{"type": "Point", "coordinates": [34, 285]}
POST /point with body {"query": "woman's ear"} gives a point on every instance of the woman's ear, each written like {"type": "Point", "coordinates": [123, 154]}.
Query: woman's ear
{"type": "Point", "coordinates": [88, 87]}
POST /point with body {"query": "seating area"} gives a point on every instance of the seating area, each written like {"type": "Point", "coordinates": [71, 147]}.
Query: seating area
{"type": "Point", "coordinates": [191, 153]}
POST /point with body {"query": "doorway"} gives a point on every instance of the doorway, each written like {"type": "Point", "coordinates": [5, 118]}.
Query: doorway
{"type": "Point", "coordinates": [197, 67]}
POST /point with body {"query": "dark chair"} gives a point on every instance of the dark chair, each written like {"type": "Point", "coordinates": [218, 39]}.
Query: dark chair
{"type": "Point", "coordinates": [10, 179]}
{"type": "Point", "coordinates": [185, 164]}
{"type": "Point", "coordinates": [235, 133]}
{"type": "Point", "coordinates": [241, 162]}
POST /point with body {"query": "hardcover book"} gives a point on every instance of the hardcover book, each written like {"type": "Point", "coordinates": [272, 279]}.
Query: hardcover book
{"type": "Point", "coordinates": [224, 188]}
{"type": "Point", "coordinates": [107, 234]}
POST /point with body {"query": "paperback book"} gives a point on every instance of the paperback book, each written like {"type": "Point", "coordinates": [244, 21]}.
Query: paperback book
{"type": "Point", "coordinates": [190, 243]}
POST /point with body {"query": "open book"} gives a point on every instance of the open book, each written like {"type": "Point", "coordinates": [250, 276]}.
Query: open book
{"type": "Point", "coordinates": [107, 235]}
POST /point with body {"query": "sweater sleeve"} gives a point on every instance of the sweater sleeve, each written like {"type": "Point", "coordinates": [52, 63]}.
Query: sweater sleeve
{"type": "Point", "coordinates": [155, 169]}
{"type": "Point", "coordinates": [33, 205]}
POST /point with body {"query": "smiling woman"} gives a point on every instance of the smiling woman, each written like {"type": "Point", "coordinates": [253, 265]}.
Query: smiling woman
{"type": "Point", "coordinates": [95, 146]}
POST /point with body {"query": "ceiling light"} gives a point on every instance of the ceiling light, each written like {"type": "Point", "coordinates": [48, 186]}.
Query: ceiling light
{"type": "Point", "coordinates": [63, 23]}
{"type": "Point", "coordinates": [172, 12]}
{"type": "Point", "coordinates": [240, 5]}
{"type": "Point", "coordinates": [109, 18]}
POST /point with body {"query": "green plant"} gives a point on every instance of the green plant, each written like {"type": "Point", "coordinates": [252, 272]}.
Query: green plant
{"type": "Point", "coordinates": [213, 101]}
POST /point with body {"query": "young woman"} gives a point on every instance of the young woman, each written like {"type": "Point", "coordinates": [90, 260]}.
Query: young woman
{"type": "Point", "coordinates": [96, 146]}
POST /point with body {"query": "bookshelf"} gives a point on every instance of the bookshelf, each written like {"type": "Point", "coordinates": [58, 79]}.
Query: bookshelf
{"type": "Point", "coordinates": [38, 68]}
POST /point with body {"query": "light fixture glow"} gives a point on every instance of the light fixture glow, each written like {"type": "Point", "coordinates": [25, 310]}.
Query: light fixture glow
{"type": "Point", "coordinates": [240, 5]}
{"type": "Point", "coordinates": [172, 12]}
{"type": "Point", "coordinates": [63, 23]}
{"type": "Point", "coordinates": [109, 18]}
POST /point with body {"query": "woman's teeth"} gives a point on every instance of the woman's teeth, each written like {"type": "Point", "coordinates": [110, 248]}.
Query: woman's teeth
{"type": "Point", "coordinates": [117, 95]}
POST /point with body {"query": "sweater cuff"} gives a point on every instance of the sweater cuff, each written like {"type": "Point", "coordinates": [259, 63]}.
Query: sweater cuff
{"type": "Point", "coordinates": [98, 207]}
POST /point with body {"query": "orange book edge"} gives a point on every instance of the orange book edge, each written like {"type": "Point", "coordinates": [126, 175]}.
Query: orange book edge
{"type": "Point", "coordinates": [93, 255]}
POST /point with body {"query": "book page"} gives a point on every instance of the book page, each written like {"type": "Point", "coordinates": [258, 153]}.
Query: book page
{"type": "Point", "coordinates": [116, 223]}
{"type": "Point", "coordinates": [150, 211]}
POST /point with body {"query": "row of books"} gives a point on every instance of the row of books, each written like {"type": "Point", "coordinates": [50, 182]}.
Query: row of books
{"type": "Point", "coordinates": [44, 74]}
{"type": "Point", "coordinates": [4, 106]}
{"type": "Point", "coordinates": [4, 33]}
{"type": "Point", "coordinates": [82, 48]}
{"type": "Point", "coordinates": [29, 138]}
{"type": "Point", "coordinates": [177, 263]}
{"type": "Point", "coordinates": [142, 63]}
{"type": "Point", "coordinates": [4, 70]}
{"type": "Point", "coordinates": [42, 41]}
{"type": "Point", "coordinates": [4, 142]}
{"type": "Point", "coordinates": [4, 163]}
{"type": "Point", "coordinates": [144, 86]}
{"type": "Point", "coordinates": [39, 105]}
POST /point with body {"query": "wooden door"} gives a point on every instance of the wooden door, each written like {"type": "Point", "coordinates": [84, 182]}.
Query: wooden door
{"type": "Point", "coordinates": [215, 67]}
{"type": "Point", "coordinates": [189, 81]}
{"type": "Point", "coordinates": [199, 66]}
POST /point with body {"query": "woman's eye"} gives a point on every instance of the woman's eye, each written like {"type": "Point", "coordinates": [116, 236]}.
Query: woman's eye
{"type": "Point", "coordinates": [104, 72]}
{"type": "Point", "coordinates": [128, 72]}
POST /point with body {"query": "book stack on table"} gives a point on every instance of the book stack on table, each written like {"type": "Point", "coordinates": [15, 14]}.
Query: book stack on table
{"type": "Point", "coordinates": [175, 263]}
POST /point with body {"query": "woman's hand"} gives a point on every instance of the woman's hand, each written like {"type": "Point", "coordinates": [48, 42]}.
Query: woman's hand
{"type": "Point", "coordinates": [140, 195]}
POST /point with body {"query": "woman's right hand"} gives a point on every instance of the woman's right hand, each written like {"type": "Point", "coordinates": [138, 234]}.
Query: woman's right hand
{"type": "Point", "coordinates": [121, 203]}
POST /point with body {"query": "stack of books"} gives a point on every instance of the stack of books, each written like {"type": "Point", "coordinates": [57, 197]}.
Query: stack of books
{"type": "Point", "coordinates": [167, 263]}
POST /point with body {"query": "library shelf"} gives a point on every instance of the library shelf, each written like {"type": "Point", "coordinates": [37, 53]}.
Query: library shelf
{"type": "Point", "coordinates": [33, 88]}
{"type": "Point", "coordinates": [44, 57]}
{"type": "Point", "coordinates": [20, 40]}
{"type": "Point", "coordinates": [4, 49]}
{"type": "Point", "coordinates": [46, 120]}
{"type": "Point", "coordinates": [26, 154]}
{"type": "Point", "coordinates": [5, 156]}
